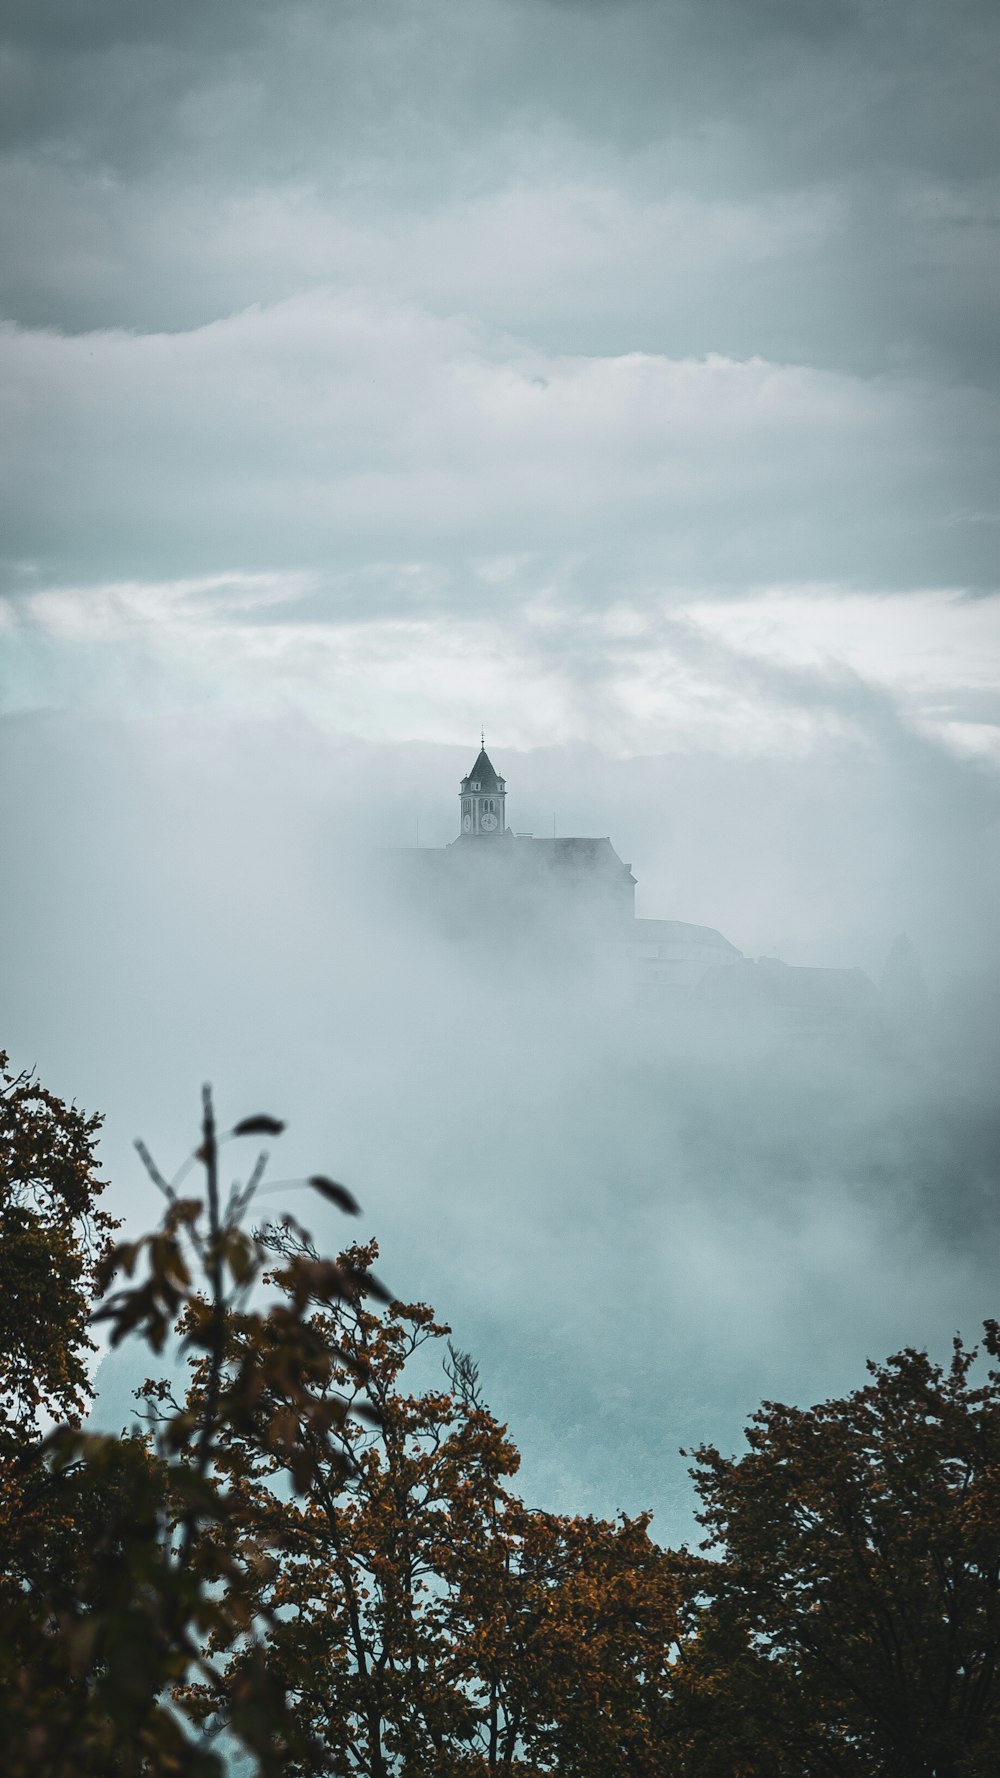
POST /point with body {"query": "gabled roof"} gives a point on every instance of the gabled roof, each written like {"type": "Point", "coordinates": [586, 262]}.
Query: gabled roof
{"type": "Point", "coordinates": [482, 773]}
{"type": "Point", "coordinates": [681, 932]}
{"type": "Point", "coordinates": [583, 855]}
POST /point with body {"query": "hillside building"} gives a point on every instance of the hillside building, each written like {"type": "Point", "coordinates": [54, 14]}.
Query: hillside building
{"type": "Point", "coordinates": [575, 895]}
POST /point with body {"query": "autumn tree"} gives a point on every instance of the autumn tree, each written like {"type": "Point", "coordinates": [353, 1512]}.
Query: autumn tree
{"type": "Point", "coordinates": [53, 1234]}
{"type": "Point", "coordinates": [104, 1613]}
{"type": "Point", "coordinates": [307, 1560]}
{"type": "Point", "coordinates": [420, 1618]}
{"type": "Point", "coordinates": [301, 1556]}
{"type": "Point", "coordinates": [854, 1611]}
{"type": "Point", "coordinates": [591, 1647]}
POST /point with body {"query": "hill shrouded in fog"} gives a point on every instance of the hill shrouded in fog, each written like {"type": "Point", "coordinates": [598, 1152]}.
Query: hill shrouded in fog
{"type": "Point", "coordinates": [642, 1218]}
{"type": "Point", "coordinates": [621, 379]}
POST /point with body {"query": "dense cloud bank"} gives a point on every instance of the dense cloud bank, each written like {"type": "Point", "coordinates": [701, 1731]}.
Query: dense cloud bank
{"type": "Point", "coordinates": [327, 433]}
{"type": "Point", "coordinates": [620, 376]}
{"type": "Point", "coordinates": [698, 295]}
{"type": "Point", "coordinates": [642, 1220]}
{"type": "Point", "coordinates": [836, 156]}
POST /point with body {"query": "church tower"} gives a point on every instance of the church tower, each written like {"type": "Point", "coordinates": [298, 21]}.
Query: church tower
{"type": "Point", "coordinates": [481, 801]}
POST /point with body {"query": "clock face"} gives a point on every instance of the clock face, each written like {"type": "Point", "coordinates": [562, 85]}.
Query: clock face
{"type": "Point", "coordinates": [467, 823]}
{"type": "Point", "coordinates": [488, 823]}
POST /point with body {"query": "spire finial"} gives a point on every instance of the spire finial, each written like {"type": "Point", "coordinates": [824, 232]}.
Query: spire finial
{"type": "Point", "coordinates": [482, 737]}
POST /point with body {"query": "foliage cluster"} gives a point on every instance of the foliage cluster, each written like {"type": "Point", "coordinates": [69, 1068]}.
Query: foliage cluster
{"type": "Point", "coordinates": [303, 1568]}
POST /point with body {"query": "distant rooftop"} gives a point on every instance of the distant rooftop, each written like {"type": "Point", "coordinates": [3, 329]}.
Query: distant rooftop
{"type": "Point", "coordinates": [682, 932]}
{"type": "Point", "coordinates": [576, 853]}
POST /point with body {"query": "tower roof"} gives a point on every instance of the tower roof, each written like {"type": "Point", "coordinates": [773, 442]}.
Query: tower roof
{"type": "Point", "coordinates": [482, 773]}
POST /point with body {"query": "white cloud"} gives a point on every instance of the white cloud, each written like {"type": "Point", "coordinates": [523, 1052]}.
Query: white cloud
{"type": "Point", "coordinates": [774, 675]}
{"type": "Point", "coordinates": [934, 651]}
{"type": "Point", "coordinates": [329, 430]}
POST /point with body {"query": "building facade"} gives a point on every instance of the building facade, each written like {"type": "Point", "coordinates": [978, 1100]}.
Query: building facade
{"type": "Point", "coordinates": [574, 895]}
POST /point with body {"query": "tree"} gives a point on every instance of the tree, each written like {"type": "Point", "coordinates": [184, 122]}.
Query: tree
{"type": "Point", "coordinates": [334, 1574]}
{"type": "Point", "coordinates": [591, 1648]}
{"type": "Point", "coordinates": [104, 1614]}
{"type": "Point", "coordinates": [355, 1635]}
{"type": "Point", "coordinates": [421, 1619]}
{"type": "Point", "coordinates": [859, 1580]}
{"type": "Point", "coordinates": [53, 1235]}
{"type": "Point", "coordinates": [299, 1555]}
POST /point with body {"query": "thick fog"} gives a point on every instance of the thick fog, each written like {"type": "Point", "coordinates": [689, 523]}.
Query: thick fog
{"type": "Point", "coordinates": [623, 377]}
{"type": "Point", "coordinates": [640, 1218]}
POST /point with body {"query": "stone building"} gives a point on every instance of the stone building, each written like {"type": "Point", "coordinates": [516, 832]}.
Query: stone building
{"type": "Point", "coordinates": [565, 892]}
{"type": "Point", "coordinates": [575, 896]}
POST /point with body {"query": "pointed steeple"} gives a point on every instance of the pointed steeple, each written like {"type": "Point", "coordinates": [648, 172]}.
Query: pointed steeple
{"type": "Point", "coordinates": [482, 799]}
{"type": "Point", "coordinates": [482, 773]}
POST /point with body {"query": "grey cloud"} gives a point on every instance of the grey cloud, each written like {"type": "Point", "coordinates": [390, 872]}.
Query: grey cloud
{"type": "Point", "coordinates": [141, 135]}
{"type": "Point", "coordinates": [325, 433]}
{"type": "Point", "coordinates": [616, 66]}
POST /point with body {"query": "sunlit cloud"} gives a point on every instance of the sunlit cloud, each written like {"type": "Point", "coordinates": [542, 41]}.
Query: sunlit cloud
{"type": "Point", "coordinates": [766, 674]}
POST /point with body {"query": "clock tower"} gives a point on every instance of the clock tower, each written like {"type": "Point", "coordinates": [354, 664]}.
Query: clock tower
{"type": "Point", "coordinates": [481, 802]}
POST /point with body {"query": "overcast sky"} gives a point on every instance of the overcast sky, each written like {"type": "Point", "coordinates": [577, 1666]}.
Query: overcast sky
{"type": "Point", "coordinates": [623, 377]}
{"type": "Point", "coordinates": [476, 343]}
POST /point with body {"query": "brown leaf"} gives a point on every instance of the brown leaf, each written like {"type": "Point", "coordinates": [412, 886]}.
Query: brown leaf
{"type": "Point", "coordinates": [363, 1410]}
{"type": "Point", "coordinates": [337, 1194]}
{"type": "Point", "coordinates": [262, 1125]}
{"type": "Point", "coordinates": [367, 1281]}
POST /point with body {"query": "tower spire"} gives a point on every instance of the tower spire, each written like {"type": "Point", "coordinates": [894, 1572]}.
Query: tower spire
{"type": "Point", "coordinates": [482, 796]}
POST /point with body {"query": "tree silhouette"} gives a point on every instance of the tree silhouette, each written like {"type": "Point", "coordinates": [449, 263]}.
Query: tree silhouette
{"type": "Point", "coordinates": [106, 1612]}
{"type": "Point", "coordinates": [858, 1593]}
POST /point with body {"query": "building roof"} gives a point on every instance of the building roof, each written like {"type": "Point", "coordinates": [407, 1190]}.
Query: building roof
{"type": "Point", "coordinates": [681, 932]}
{"type": "Point", "coordinates": [483, 773]}
{"type": "Point", "coordinates": [583, 855]}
